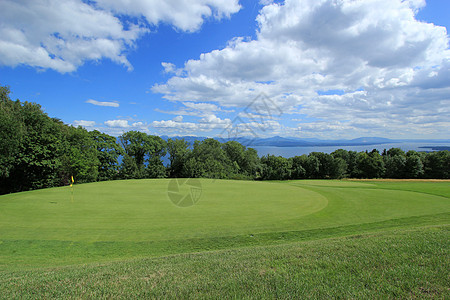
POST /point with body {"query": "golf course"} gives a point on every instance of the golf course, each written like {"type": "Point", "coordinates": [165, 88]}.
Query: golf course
{"type": "Point", "coordinates": [319, 238]}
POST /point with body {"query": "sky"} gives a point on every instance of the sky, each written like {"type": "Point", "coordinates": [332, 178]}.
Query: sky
{"type": "Point", "coordinates": [328, 69]}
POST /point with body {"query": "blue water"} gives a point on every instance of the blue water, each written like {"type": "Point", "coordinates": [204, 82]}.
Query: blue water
{"type": "Point", "coordinates": [294, 151]}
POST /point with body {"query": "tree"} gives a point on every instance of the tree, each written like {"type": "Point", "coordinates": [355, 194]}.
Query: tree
{"type": "Point", "coordinates": [36, 160]}
{"type": "Point", "coordinates": [129, 169]}
{"type": "Point", "coordinates": [349, 157]}
{"type": "Point", "coordinates": [395, 166]}
{"type": "Point", "coordinates": [136, 144]}
{"type": "Point", "coordinates": [298, 164]}
{"type": "Point", "coordinates": [80, 155]}
{"type": "Point", "coordinates": [108, 152]}
{"type": "Point", "coordinates": [328, 166]}
{"type": "Point", "coordinates": [209, 160]}
{"type": "Point", "coordinates": [396, 151]}
{"type": "Point", "coordinates": [11, 131]}
{"type": "Point", "coordinates": [275, 168]}
{"type": "Point", "coordinates": [157, 150]}
{"type": "Point", "coordinates": [144, 148]}
{"type": "Point", "coordinates": [370, 165]}
{"type": "Point", "coordinates": [178, 150]}
{"type": "Point", "coordinates": [413, 166]}
{"type": "Point", "coordinates": [437, 165]}
{"type": "Point", "coordinates": [244, 162]}
{"type": "Point", "coordinates": [251, 166]}
{"type": "Point", "coordinates": [312, 166]}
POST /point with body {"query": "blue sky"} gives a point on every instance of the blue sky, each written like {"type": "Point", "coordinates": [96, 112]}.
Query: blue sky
{"type": "Point", "coordinates": [324, 69]}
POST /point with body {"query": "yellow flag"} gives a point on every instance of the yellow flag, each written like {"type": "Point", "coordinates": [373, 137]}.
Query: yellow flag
{"type": "Point", "coordinates": [72, 180]}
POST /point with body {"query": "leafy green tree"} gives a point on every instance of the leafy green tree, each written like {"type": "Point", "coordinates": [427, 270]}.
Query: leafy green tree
{"type": "Point", "coordinates": [395, 166]}
{"type": "Point", "coordinates": [370, 165]}
{"type": "Point", "coordinates": [329, 167]}
{"type": "Point", "coordinates": [437, 165]}
{"type": "Point", "coordinates": [312, 167]}
{"type": "Point", "coordinates": [108, 152]}
{"type": "Point", "coordinates": [178, 150]}
{"type": "Point", "coordinates": [80, 156]}
{"type": "Point", "coordinates": [350, 159]}
{"type": "Point", "coordinates": [11, 131]}
{"type": "Point", "coordinates": [396, 151]}
{"type": "Point", "coordinates": [136, 144]}
{"type": "Point", "coordinates": [251, 165]}
{"type": "Point", "coordinates": [210, 160]}
{"type": "Point", "coordinates": [144, 148]}
{"type": "Point", "coordinates": [338, 168]}
{"type": "Point", "coordinates": [192, 168]}
{"type": "Point", "coordinates": [157, 150]}
{"type": "Point", "coordinates": [275, 168]}
{"type": "Point", "coordinates": [36, 161]}
{"type": "Point", "coordinates": [129, 169]}
{"type": "Point", "coordinates": [413, 167]}
{"type": "Point", "coordinates": [298, 164]}
{"type": "Point", "coordinates": [234, 151]}
{"type": "Point", "coordinates": [244, 162]}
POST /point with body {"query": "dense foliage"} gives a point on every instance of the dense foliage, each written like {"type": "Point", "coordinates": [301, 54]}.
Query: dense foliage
{"type": "Point", "coordinates": [37, 151]}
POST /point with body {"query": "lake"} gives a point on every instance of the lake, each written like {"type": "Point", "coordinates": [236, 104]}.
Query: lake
{"type": "Point", "coordinates": [294, 151]}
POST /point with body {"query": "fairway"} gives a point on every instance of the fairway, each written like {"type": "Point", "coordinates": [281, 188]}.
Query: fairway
{"type": "Point", "coordinates": [135, 218]}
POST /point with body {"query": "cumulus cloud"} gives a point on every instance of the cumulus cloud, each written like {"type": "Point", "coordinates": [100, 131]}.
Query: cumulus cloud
{"type": "Point", "coordinates": [206, 124]}
{"type": "Point", "coordinates": [120, 126]}
{"type": "Point", "coordinates": [195, 109]}
{"type": "Point", "coordinates": [103, 103]}
{"type": "Point", "coordinates": [117, 123]}
{"type": "Point", "coordinates": [389, 66]}
{"type": "Point", "coordinates": [186, 15]}
{"type": "Point", "coordinates": [63, 35]}
{"type": "Point", "coordinates": [84, 123]}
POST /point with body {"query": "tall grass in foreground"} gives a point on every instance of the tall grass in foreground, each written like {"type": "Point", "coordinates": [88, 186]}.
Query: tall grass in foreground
{"type": "Point", "coordinates": [404, 263]}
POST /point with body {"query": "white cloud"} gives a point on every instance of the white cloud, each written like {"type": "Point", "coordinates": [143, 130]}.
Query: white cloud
{"type": "Point", "coordinates": [205, 107]}
{"type": "Point", "coordinates": [170, 68]}
{"type": "Point", "coordinates": [63, 35]}
{"type": "Point", "coordinates": [103, 103]}
{"type": "Point", "coordinates": [186, 15]}
{"type": "Point", "coordinates": [195, 109]}
{"type": "Point", "coordinates": [205, 124]}
{"type": "Point", "coordinates": [84, 123]}
{"type": "Point", "coordinates": [117, 123]}
{"type": "Point", "coordinates": [390, 67]}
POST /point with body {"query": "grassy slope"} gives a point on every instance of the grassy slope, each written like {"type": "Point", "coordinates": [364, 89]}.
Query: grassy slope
{"type": "Point", "coordinates": [104, 222]}
{"type": "Point", "coordinates": [390, 264]}
{"type": "Point", "coordinates": [291, 239]}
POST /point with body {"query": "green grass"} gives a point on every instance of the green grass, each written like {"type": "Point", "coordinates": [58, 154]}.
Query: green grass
{"type": "Point", "coordinates": [52, 244]}
{"type": "Point", "coordinates": [392, 264]}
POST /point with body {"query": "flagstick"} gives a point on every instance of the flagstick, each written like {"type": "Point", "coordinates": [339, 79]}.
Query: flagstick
{"type": "Point", "coordinates": [71, 187]}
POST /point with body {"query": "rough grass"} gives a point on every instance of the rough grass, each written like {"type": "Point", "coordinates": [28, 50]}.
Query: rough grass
{"type": "Point", "coordinates": [391, 264]}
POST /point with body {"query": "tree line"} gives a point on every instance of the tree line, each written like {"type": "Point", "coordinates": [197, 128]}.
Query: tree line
{"type": "Point", "coordinates": [37, 151]}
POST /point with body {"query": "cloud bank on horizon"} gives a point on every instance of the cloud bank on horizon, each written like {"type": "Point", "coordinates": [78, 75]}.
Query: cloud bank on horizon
{"type": "Point", "coordinates": [333, 67]}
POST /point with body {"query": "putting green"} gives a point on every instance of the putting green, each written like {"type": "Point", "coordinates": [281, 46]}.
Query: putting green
{"type": "Point", "coordinates": [123, 219]}
{"type": "Point", "coordinates": [140, 210]}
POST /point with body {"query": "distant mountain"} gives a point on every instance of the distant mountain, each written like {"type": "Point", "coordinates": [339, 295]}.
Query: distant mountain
{"type": "Point", "coordinates": [278, 141]}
